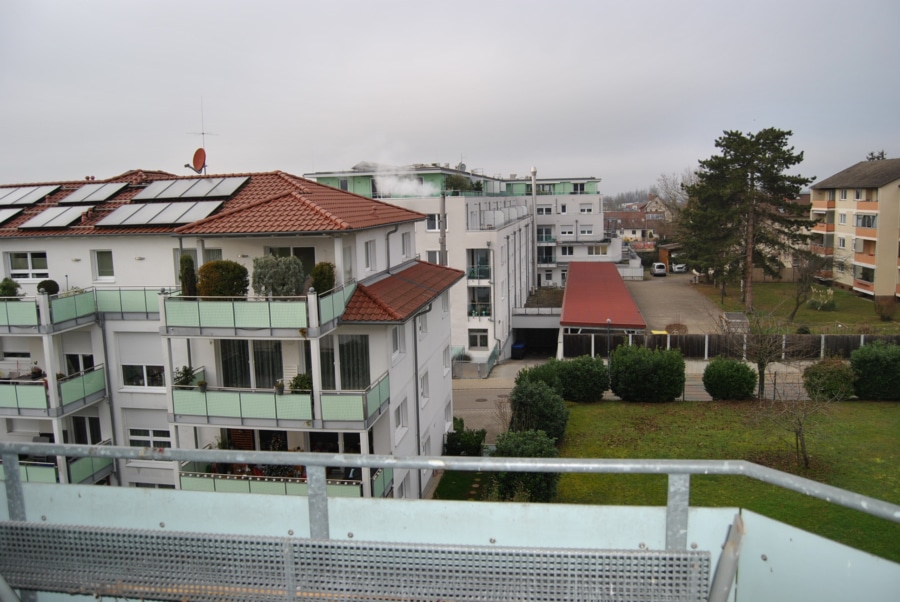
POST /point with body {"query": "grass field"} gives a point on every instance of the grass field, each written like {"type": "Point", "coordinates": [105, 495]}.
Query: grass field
{"type": "Point", "coordinates": [855, 314]}
{"type": "Point", "coordinates": [855, 447]}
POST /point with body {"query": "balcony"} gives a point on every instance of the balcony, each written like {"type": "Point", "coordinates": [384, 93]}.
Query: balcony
{"type": "Point", "coordinates": [546, 261]}
{"type": "Point", "coordinates": [266, 408]}
{"type": "Point", "coordinates": [870, 233]}
{"type": "Point", "coordinates": [445, 550]}
{"type": "Point", "coordinates": [197, 476]}
{"type": "Point", "coordinates": [219, 316]}
{"type": "Point", "coordinates": [479, 310]}
{"type": "Point", "coordinates": [867, 207]}
{"type": "Point", "coordinates": [822, 205]}
{"type": "Point", "coordinates": [863, 286]}
{"type": "Point", "coordinates": [129, 303]}
{"type": "Point", "coordinates": [546, 239]}
{"type": "Point", "coordinates": [823, 228]}
{"type": "Point", "coordinates": [866, 259]}
{"type": "Point", "coordinates": [479, 272]}
{"type": "Point", "coordinates": [28, 397]}
{"type": "Point", "coordinates": [821, 249]}
{"type": "Point", "coordinates": [83, 470]}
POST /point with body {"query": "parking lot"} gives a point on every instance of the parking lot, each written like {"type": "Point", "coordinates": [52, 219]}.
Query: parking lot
{"type": "Point", "coordinates": [673, 299]}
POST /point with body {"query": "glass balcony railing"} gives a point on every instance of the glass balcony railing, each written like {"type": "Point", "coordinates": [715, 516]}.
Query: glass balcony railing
{"type": "Point", "coordinates": [333, 303]}
{"type": "Point", "coordinates": [34, 472]}
{"type": "Point", "coordinates": [83, 386]}
{"type": "Point", "coordinates": [232, 313]}
{"type": "Point", "coordinates": [479, 310]}
{"type": "Point", "coordinates": [89, 469]}
{"type": "Point", "coordinates": [23, 395]}
{"type": "Point", "coordinates": [347, 405]}
{"type": "Point", "coordinates": [20, 312]}
{"type": "Point", "coordinates": [241, 403]}
{"type": "Point", "coordinates": [128, 300]}
{"type": "Point", "coordinates": [72, 305]}
{"type": "Point", "coordinates": [479, 272]}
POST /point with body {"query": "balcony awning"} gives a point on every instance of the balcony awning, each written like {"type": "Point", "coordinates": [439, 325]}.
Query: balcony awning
{"type": "Point", "coordinates": [399, 296]}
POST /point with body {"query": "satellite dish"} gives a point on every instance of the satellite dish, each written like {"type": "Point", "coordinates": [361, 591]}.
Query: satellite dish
{"type": "Point", "coordinates": [199, 161]}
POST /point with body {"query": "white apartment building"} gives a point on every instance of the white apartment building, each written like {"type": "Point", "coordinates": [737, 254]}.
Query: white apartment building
{"type": "Point", "coordinates": [95, 363]}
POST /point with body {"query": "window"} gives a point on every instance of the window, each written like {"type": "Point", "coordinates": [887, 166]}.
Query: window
{"type": "Point", "coordinates": [548, 275]}
{"type": "Point", "coordinates": [445, 302]}
{"type": "Point", "coordinates": [401, 416]}
{"type": "Point", "coordinates": [578, 188]}
{"type": "Point", "coordinates": [586, 208]}
{"type": "Point", "coordinates": [28, 265]}
{"type": "Point", "coordinates": [842, 243]}
{"type": "Point", "coordinates": [208, 255]}
{"type": "Point", "coordinates": [370, 255]}
{"type": "Point", "coordinates": [446, 358]}
{"type": "Point", "coordinates": [585, 230]}
{"type": "Point", "coordinates": [250, 364]}
{"type": "Point", "coordinates": [405, 244]}
{"type": "Point", "coordinates": [103, 265]}
{"type": "Point", "coordinates": [567, 251]}
{"type": "Point", "coordinates": [866, 221]}
{"type": "Point", "coordinates": [544, 210]}
{"type": "Point", "coordinates": [842, 219]}
{"type": "Point", "coordinates": [397, 340]}
{"type": "Point", "coordinates": [423, 324]}
{"type": "Point", "coordinates": [479, 300]}
{"type": "Point", "coordinates": [562, 208]}
{"type": "Point", "coordinates": [858, 195]}
{"type": "Point", "coordinates": [448, 413]}
{"type": "Point", "coordinates": [567, 230]}
{"type": "Point", "coordinates": [597, 249]}
{"type": "Point", "coordinates": [843, 194]}
{"type": "Point", "coordinates": [545, 233]}
{"type": "Point", "coordinates": [143, 376]}
{"type": "Point", "coordinates": [348, 264]}
{"type": "Point", "coordinates": [864, 274]}
{"type": "Point", "coordinates": [434, 257]}
{"type": "Point", "coordinates": [343, 184]}
{"type": "Point", "coordinates": [563, 275]}
{"type": "Point", "coordinates": [545, 188]}
{"type": "Point", "coordinates": [423, 388]}
{"type": "Point", "coordinates": [433, 222]}
{"type": "Point", "coordinates": [478, 338]}
{"type": "Point", "coordinates": [77, 362]}
{"type": "Point", "coordinates": [830, 195]}
{"type": "Point", "coordinates": [149, 438]}
{"type": "Point", "coordinates": [354, 358]}
{"type": "Point", "coordinates": [86, 430]}
{"type": "Point", "coordinates": [403, 487]}
{"type": "Point", "coordinates": [839, 266]}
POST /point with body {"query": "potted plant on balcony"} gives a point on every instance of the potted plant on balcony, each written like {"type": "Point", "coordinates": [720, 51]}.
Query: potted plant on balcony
{"type": "Point", "coordinates": [202, 385]}
{"type": "Point", "coordinates": [301, 383]}
{"type": "Point", "coordinates": [279, 387]}
{"type": "Point", "coordinates": [222, 278]}
{"type": "Point", "coordinates": [9, 289]}
{"type": "Point", "coordinates": [182, 377]}
{"type": "Point", "coordinates": [278, 276]}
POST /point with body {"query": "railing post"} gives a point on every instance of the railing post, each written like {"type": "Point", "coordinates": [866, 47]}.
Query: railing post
{"type": "Point", "coordinates": [318, 502]}
{"type": "Point", "coordinates": [15, 500]}
{"type": "Point", "coordinates": [677, 507]}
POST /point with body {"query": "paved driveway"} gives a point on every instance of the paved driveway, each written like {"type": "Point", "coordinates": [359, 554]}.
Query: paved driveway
{"type": "Point", "coordinates": [673, 299]}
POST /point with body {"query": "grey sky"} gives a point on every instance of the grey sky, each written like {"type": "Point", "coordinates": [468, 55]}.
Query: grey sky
{"type": "Point", "coordinates": [624, 91]}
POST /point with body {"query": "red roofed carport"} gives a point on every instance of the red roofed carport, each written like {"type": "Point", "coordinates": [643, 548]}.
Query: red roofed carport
{"type": "Point", "coordinates": [596, 299]}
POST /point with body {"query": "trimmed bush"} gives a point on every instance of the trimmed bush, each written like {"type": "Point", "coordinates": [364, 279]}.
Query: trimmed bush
{"type": "Point", "coordinates": [188, 276]}
{"type": "Point", "coordinates": [536, 406]}
{"type": "Point", "coordinates": [726, 378]}
{"type": "Point", "coordinates": [877, 368]}
{"type": "Point", "coordinates": [830, 379]}
{"type": "Point", "coordinates": [9, 288]}
{"type": "Point", "coordinates": [222, 278]}
{"type": "Point", "coordinates": [536, 486]}
{"type": "Point", "coordinates": [641, 374]}
{"type": "Point", "coordinates": [51, 287]}
{"type": "Point", "coordinates": [323, 277]}
{"type": "Point", "coordinates": [464, 442]}
{"type": "Point", "coordinates": [547, 373]}
{"type": "Point", "coordinates": [278, 276]}
{"type": "Point", "coordinates": [583, 379]}
{"type": "Point", "coordinates": [886, 307]}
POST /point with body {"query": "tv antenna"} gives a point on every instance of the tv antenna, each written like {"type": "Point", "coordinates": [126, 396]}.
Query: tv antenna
{"type": "Point", "coordinates": [198, 163]}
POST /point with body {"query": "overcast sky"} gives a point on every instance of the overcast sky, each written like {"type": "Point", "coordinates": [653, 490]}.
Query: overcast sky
{"type": "Point", "coordinates": [624, 91]}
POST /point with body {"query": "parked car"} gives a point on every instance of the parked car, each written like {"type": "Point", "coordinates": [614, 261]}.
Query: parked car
{"type": "Point", "coordinates": [678, 268]}
{"type": "Point", "coordinates": [658, 269]}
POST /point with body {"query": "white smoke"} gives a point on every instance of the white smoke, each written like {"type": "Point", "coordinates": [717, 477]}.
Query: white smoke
{"type": "Point", "coordinates": [393, 185]}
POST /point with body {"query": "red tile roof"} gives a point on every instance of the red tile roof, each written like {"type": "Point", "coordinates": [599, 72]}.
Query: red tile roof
{"type": "Point", "coordinates": [270, 202]}
{"type": "Point", "coordinates": [400, 295]}
{"type": "Point", "coordinates": [596, 292]}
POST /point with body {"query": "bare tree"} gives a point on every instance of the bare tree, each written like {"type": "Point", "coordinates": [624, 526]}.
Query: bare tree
{"type": "Point", "coordinates": [876, 156]}
{"type": "Point", "coordinates": [670, 189]}
{"type": "Point", "coordinates": [807, 267]}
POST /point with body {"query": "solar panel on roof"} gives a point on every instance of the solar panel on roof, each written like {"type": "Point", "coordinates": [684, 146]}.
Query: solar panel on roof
{"type": "Point", "coordinates": [25, 195]}
{"type": "Point", "coordinates": [8, 214]}
{"type": "Point", "coordinates": [197, 188]}
{"type": "Point", "coordinates": [56, 217]}
{"type": "Point", "coordinates": [93, 193]}
{"type": "Point", "coordinates": [159, 214]}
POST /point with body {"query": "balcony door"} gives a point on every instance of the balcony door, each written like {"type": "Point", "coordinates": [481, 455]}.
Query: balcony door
{"type": "Point", "coordinates": [250, 364]}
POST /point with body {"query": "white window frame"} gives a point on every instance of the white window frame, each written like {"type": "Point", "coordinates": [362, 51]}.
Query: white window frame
{"type": "Point", "coordinates": [478, 332]}
{"type": "Point", "coordinates": [145, 376]}
{"type": "Point", "coordinates": [423, 325]}
{"type": "Point", "coordinates": [567, 251]}
{"type": "Point", "coordinates": [401, 420]}
{"type": "Point", "coordinates": [859, 195]}
{"type": "Point", "coordinates": [344, 184]}
{"type": "Point", "coordinates": [567, 230]}
{"type": "Point", "coordinates": [445, 302]}
{"type": "Point", "coordinates": [30, 272]}
{"type": "Point", "coordinates": [371, 261]}
{"type": "Point", "coordinates": [446, 359]}
{"type": "Point", "coordinates": [433, 222]}
{"type": "Point", "coordinates": [405, 244]}
{"type": "Point", "coordinates": [545, 210]}
{"type": "Point", "coordinates": [842, 242]}
{"type": "Point", "coordinates": [398, 341]}
{"type": "Point", "coordinates": [586, 208]}
{"type": "Point", "coordinates": [95, 266]}
{"type": "Point", "coordinates": [843, 194]}
{"type": "Point", "coordinates": [424, 392]}
{"type": "Point", "coordinates": [842, 219]}
{"type": "Point", "coordinates": [562, 209]}
{"type": "Point", "coordinates": [585, 230]}
{"type": "Point", "coordinates": [154, 437]}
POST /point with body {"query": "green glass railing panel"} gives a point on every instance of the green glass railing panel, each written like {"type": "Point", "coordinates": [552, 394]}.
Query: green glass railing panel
{"type": "Point", "coordinates": [268, 487]}
{"type": "Point", "coordinates": [342, 407]}
{"type": "Point", "coordinates": [109, 301]}
{"type": "Point", "coordinates": [289, 314]}
{"type": "Point", "coordinates": [189, 401]}
{"type": "Point", "coordinates": [189, 483]}
{"type": "Point", "coordinates": [95, 381]}
{"type": "Point", "coordinates": [8, 396]}
{"type": "Point", "coordinates": [377, 395]}
{"type": "Point", "coordinates": [72, 390]}
{"type": "Point", "coordinates": [295, 488]}
{"type": "Point", "coordinates": [183, 313]}
{"type": "Point", "coordinates": [223, 403]}
{"type": "Point", "coordinates": [63, 309]}
{"type": "Point", "coordinates": [297, 406]}
{"type": "Point", "coordinates": [27, 397]}
{"type": "Point", "coordinates": [258, 405]}
{"type": "Point", "coordinates": [38, 474]}
{"type": "Point", "coordinates": [85, 304]}
{"type": "Point", "coordinates": [335, 490]}
{"type": "Point", "coordinates": [233, 485]}
{"type": "Point", "coordinates": [18, 313]}
{"type": "Point", "coordinates": [251, 315]}
{"type": "Point", "coordinates": [217, 314]}
{"type": "Point", "coordinates": [82, 469]}
{"type": "Point", "coordinates": [132, 301]}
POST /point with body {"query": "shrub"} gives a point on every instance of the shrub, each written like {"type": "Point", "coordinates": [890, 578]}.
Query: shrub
{"type": "Point", "coordinates": [639, 374]}
{"type": "Point", "coordinates": [323, 277]}
{"type": "Point", "coordinates": [278, 276]}
{"type": "Point", "coordinates": [540, 486]}
{"type": "Point", "coordinates": [50, 287]}
{"type": "Point", "coordinates": [188, 276]}
{"type": "Point", "coordinates": [464, 442]}
{"type": "Point", "coordinates": [547, 373]}
{"type": "Point", "coordinates": [9, 288]}
{"type": "Point", "coordinates": [534, 406]}
{"type": "Point", "coordinates": [301, 382]}
{"type": "Point", "coordinates": [803, 330]}
{"type": "Point", "coordinates": [886, 307]}
{"type": "Point", "coordinates": [222, 278]}
{"type": "Point", "coordinates": [877, 369]}
{"type": "Point", "coordinates": [583, 379]}
{"type": "Point", "coordinates": [726, 378]}
{"type": "Point", "coordinates": [822, 300]}
{"type": "Point", "coordinates": [829, 379]}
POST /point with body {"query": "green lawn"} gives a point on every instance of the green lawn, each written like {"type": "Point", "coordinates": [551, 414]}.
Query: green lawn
{"type": "Point", "coordinates": [856, 449]}
{"type": "Point", "coordinates": [853, 313]}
